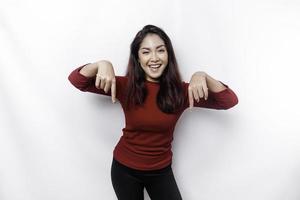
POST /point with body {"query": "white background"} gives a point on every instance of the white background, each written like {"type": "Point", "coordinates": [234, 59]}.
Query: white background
{"type": "Point", "coordinates": [56, 142]}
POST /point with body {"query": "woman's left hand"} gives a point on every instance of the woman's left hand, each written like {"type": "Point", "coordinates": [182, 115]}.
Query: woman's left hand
{"type": "Point", "coordinates": [197, 88]}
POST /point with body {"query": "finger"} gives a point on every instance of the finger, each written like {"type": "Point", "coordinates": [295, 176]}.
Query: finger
{"type": "Point", "coordinates": [191, 98]}
{"type": "Point", "coordinates": [97, 82]}
{"type": "Point", "coordinates": [102, 82]}
{"type": "Point", "coordinates": [107, 86]}
{"type": "Point", "coordinates": [199, 92]}
{"type": "Point", "coordinates": [113, 90]}
{"type": "Point", "coordinates": [205, 90]}
{"type": "Point", "coordinates": [195, 94]}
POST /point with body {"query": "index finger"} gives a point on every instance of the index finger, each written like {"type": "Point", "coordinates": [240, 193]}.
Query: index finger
{"type": "Point", "coordinates": [191, 98]}
{"type": "Point", "coordinates": [113, 90]}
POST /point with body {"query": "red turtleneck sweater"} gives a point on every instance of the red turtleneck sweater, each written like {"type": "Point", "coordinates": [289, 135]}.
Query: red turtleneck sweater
{"type": "Point", "coordinates": [148, 133]}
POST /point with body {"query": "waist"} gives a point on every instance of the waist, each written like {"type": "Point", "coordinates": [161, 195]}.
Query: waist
{"type": "Point", "coordinates": [137, 171]}
{"type": "Point", "coordinates": [141, 160]}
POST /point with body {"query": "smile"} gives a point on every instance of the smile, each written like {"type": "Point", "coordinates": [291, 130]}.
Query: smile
{"type": "Point", "coordinates": [155, 66]}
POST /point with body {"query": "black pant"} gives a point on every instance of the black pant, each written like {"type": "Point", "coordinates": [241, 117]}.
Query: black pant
{"type": "Point", "coordinates": [129, 183]}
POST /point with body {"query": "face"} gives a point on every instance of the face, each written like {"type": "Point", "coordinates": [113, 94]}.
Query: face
{"type": "Point", "coordinates": [153, 57]}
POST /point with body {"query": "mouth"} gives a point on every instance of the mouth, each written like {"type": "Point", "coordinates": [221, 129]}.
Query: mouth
{"type": "Point", "coordinates": [154, 67]}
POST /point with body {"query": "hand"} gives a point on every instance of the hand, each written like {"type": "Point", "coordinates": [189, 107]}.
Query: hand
{"type": "Point", "coordinates": [105, 78]}
{"type": "Point", "coordinates": [197, 88]}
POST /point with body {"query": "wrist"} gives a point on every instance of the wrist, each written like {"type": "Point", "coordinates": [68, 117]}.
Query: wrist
{"type": "Point", "coordinates": [89, 70]}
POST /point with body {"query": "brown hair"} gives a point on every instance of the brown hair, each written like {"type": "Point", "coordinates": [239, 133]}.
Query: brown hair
{"type": "Point", "coordinates": [170, 96]}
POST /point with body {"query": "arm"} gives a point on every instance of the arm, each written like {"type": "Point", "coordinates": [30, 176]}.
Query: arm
{"type": "Point", "coordinates": [89, 70]}
{"type": "Point", "coordinates": [214, 85]}
{"type": "Point", "coordinates": [216, 94]}
{"type": "Point", "coordinates": [98, 77]}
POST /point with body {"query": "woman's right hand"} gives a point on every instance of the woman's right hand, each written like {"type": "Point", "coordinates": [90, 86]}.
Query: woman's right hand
{"type": "Point", "coordinates": [105, 78]}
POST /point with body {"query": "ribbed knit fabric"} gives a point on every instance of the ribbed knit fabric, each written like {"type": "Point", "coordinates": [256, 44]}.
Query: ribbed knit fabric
{"type": "Point", "coordinates": [147, 136]}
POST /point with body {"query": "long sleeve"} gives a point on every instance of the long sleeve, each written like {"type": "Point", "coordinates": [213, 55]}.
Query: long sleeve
{"type": "Point", "coordinates": [216, 100]}
{"type": "Point", "coordinates": [87, 84]}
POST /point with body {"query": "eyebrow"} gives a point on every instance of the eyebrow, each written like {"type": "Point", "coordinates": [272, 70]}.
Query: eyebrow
{"type": "Point", "coordinates": [146, 48]}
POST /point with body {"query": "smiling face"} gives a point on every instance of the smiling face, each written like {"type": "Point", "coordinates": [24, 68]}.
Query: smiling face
{"type": "Point", "coordinates": [153, 57]}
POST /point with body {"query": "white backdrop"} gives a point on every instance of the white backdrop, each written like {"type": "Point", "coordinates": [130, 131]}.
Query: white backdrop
{"type": "Point", "coordinates": [56, 142]}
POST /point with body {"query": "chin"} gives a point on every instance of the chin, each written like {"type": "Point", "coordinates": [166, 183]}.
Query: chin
{"type": "Point", "coordinates": [155, 77]}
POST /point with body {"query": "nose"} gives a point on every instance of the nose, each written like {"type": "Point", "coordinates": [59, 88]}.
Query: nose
{"type": "Point", "coordinates": [154, 57]}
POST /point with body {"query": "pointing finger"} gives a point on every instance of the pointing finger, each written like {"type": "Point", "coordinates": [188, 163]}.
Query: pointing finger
{"type": "Point", "coordinates": [191, 98]}
{"type": "Point", "coordinates": [113, 90]}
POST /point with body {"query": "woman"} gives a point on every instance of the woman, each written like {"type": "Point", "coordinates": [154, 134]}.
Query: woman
{"type": "Point", "coordinates": [153, 97]}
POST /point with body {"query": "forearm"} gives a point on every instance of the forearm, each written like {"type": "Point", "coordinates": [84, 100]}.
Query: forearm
{"type": "Point", "coordinates": [90, 70]}
{"type": "Point", "coordinates": [221, 96]}
{"type": "Point", "coordinates": [214, 85]}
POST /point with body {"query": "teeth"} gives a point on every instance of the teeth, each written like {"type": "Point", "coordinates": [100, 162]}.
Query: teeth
{"type": "Point", "coordinates": [154, 66]}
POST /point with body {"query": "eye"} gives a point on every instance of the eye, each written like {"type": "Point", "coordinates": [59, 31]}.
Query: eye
{"type": "Point", "coordinates": [145, 52]}
{"type": "Point", "coordinates": [161, 50]}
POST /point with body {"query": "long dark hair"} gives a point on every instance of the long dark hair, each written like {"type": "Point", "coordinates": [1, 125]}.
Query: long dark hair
{"type": "Point", "coordinates": [170, 97]}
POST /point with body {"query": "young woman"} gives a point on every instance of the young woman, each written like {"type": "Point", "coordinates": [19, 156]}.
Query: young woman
{"type": "Point", "coordinates": [153, 97]}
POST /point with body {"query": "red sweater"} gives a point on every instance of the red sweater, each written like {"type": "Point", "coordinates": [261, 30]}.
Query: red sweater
{"type": "Point", "coordinates": [148, 134]}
